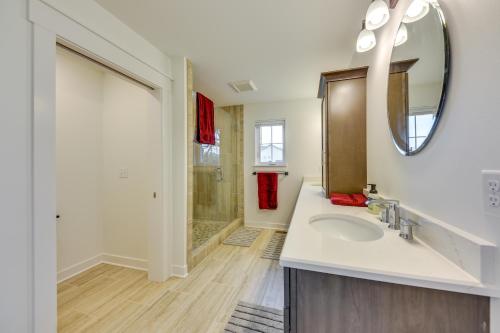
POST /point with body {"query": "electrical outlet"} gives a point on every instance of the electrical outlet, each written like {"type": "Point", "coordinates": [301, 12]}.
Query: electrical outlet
{"type": "Point", "coordinates": [491, 192]}
{"type": "Point", "coordinates": [493, 185]}
{"type": "Point", "coordinates": [493, 200]}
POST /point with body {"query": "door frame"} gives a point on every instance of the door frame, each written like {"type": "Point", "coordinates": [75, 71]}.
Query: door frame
{"type": "Point", "coordinates": [51, 26]}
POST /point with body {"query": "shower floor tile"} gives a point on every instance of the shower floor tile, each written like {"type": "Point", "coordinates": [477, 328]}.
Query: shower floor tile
{"type": "Point", "coordinates": [203, 230]}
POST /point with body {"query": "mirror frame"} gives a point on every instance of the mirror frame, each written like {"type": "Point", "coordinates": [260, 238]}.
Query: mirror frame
{"type": "Point", "coordinates": [444, 90]}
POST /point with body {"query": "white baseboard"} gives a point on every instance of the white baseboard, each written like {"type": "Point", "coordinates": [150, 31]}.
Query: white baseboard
{"type": "Point", "coordinates": [129, 262]}
{"type": "Point", "coordinates": [76, 269]}
{"type": "Point", "coordinates": [104, 258]}
{"type": "Point", "coordinates": [267, 225]}
{"type": "Point", "coordinates": [180, 271]}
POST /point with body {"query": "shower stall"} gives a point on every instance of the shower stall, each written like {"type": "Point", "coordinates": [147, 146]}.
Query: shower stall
{"type": "Point", "coordinates": [218, 178]}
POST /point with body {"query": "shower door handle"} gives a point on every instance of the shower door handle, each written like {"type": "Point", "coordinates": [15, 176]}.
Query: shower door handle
{"type": "Point", "coordinates": [219, 176]}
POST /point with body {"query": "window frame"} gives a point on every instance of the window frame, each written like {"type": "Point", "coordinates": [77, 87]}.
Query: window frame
{"type": "Point", "coordinates": [202, 150]}
{"type": "Point", "coordinates": [415, 137]}
{"type": "Point", "coordinates": [258, 144]}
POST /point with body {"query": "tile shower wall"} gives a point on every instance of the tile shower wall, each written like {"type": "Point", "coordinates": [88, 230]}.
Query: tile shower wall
{"type": "Point", "coordinates": [237, 138]}
{"type": "Point", "coordinates": [190, 144]}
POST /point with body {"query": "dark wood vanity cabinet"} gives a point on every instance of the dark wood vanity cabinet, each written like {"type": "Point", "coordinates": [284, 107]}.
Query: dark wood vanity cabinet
{"type": "Point", "coordinates": [343, 130]}
{"type": "Point", "coordinates": [325, 303]}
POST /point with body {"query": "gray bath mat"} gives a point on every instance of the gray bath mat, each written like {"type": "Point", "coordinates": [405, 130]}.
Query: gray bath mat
{"type": "Point", "coordinates": [275, 245]}
{"type": "Point", "coordinates": [251, 318]}
{"type": "Point", "coordinates": [242, 237]}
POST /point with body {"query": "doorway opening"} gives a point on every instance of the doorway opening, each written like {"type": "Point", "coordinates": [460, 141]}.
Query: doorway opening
{"type": "Point", "coordinates": [108, 165]}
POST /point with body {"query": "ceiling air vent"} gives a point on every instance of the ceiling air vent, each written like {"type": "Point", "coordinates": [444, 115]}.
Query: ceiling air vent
{"type": "Point", "coordinates": [243, 86]}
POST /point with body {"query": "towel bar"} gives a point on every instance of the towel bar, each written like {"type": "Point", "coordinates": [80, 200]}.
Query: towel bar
{"type": "Point", "coordinates": [278, 172]}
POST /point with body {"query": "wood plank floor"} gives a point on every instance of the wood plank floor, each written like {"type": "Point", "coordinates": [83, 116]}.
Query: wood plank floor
{"type": "Point", "coordinates": [109, 298]}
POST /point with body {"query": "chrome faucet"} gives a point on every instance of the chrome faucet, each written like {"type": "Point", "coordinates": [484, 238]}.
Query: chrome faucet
{"type": "Point", "coordinates": [390, 212]}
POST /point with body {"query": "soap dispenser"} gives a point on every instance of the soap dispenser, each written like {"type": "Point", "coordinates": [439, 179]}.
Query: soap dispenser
{"type": "Point", "coordinates": [373, 208]}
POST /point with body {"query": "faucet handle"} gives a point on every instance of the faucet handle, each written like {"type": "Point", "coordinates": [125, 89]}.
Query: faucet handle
{"type": "Point", "coordinates": [394, 217]}
{"type": "Point", "coordinates": [393, 204]}
{"type": "Point", "coordinates": [384, 213]}
{"type": "Point", "coordinates": [406, 231]}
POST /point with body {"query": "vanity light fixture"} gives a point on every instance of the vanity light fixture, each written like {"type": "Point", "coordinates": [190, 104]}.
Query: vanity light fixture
{"type": "Point", "coordinates": [402, 35]}
{"type": "Point", "coordinates": [366, 40]}
{"type": "Point", "coordinates": [377, 15]}
{"type": "Point", "coordinates": [417, 10]}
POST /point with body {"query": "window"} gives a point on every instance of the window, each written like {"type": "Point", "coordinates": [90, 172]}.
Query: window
{"type": "Point", "coordinates": [270, 142]}
{"type": "Point", "coordinates": [419, 127]}
{"type": "Point", "coordinates": [208, 155]}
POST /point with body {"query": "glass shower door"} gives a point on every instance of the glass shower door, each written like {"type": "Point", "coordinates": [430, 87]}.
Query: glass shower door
{"type": "Point", "coordinates": [214, 203]}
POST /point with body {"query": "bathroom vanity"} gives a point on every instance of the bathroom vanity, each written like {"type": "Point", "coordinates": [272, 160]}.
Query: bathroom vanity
{"type": "Point", "coordinates": [321, 302]}
{"type": "Point", "coordinates": [345, 271]}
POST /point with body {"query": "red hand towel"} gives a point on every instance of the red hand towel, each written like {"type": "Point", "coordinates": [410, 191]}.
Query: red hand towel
{"type": "Point", "coordinates": [359, 200]}
{"type": "Point", "coordinates": [268, 190]}
{"type": "Point", "coordinates": [205, 129]}
{"type": "Point", "coordinates": [342, 199]}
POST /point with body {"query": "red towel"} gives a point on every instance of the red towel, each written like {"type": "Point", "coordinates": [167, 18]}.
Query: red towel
{"type": "Point", "coordinates": [268, 190]}
{"type": "Point", "coordinates": [205, 127]}
{"type": "Point", "coordinates": [342, 199]}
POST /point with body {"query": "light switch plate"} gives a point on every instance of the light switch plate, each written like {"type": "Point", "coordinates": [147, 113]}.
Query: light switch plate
{"type": "Point", "coordinates": [123, 173]}
{"type": "Point", "coordinates": [491, 192]}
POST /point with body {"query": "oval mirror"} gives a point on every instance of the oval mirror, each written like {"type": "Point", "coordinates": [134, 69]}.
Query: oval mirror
{"type": "Point", "coordinates": [418, 76]}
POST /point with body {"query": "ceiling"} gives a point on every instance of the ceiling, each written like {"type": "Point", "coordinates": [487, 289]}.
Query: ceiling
{"type": "Point", "coordinates": [282, 45]}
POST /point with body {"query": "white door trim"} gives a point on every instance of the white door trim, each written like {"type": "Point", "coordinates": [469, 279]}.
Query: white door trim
{"type": "Point", "coordinates": [48, 26]}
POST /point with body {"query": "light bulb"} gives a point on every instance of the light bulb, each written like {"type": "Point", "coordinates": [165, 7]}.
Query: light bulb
{"type": "Point", "coordinates": [417, 10]}
{"type": "Point", "coordinates": [366, 41]}
{"type": "Point", "coordinates": [402, 35]}
{"type": "Point", "coordinates": [377, 15]}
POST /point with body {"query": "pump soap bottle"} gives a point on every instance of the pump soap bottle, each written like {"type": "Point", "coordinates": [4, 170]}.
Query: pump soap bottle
{"type": "Point", "coordinates": [373, 208]}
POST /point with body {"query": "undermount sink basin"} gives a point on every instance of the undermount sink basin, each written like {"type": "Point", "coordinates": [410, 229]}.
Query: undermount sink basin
{"type": "Point", "coordinates": [346, 227]}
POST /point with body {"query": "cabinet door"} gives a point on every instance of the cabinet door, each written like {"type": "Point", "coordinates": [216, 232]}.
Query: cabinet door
{"type": "Point", "coordinates": [347, 135]}
{"type": "Point", "coordinates": [290, 305]}
{"type": "Point", "coordinates": [328, 303]}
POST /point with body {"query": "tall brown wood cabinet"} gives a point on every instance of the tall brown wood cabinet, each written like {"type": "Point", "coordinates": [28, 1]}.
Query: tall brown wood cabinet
{"type": "Point", "coordinates": [398, 108]}
{"type": "Point", "coordinates": [343, 130]}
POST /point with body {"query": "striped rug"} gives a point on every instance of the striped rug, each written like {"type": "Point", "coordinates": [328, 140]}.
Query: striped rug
{"type": "Point", "coordinates": [243, 237]}
{"type": "Point", "coordinates": [275, 245]}
{"type": "Point", "coordinates": [251, 318]}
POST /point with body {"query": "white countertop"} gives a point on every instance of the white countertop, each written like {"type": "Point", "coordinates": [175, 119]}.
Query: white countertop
{"type": "Point", "coordinates": [388, 259]}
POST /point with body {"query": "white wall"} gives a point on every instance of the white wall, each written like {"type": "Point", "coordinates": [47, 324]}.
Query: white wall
{"type": "Point", "coordinates": [126, 130]}
{"type": "Point", "coordinates": [303, 156]}
{"type": "Point", "coordinates": [104, 125]}
{"type": "Point", "coordinates": [425, 95]}
{"type": "Point", "coordinates": [444, 181]}
{"type": "Point", "coordinates": [79, 107]}
{"type": "Point", "coordinates": [15, 179]}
